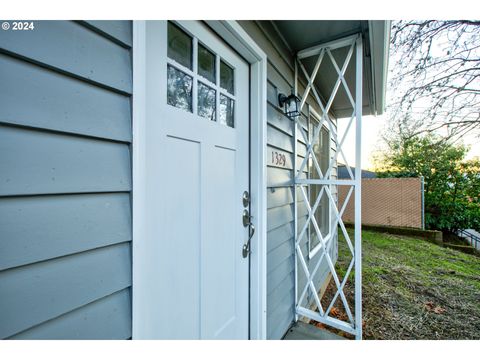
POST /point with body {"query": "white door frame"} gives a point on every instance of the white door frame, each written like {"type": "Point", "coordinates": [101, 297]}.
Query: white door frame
{"type": "Point", "coordinates": [233, 34]}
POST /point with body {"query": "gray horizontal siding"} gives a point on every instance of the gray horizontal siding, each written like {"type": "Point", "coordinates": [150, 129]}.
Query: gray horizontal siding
{"type": "Point", "coordinates": [282, 317]}
{"type": "Point", "coordinates": [65, 181]}
{"type": "Point", "coordinates": [277, 278]}
{"type": "Point", "coordinates": [101, 319]}
{"type": "Point", "coordinates": [279, 254]}
{"type": "Point", "coordinates": [39, 162]}
{"type": "Point", "coordinates": [37, 228]}
{"type": "Point", "coordinates": [283, 233]}
{"type": "Point", "coordinates": [279, 139]}
{"type": "Point", "coordinates": [42, 291]}
{"type": "Point", "coordinates": [279, 196]}
{"type": "Point", "coordinates": [280, 235]}
{"type": "Point", "coordinates": [61, 103]}
{"type": "Point", "coordinates": [75, 49]}
{"type": "Point", "coordinates": [280, 213]}
{"type": "Point", "coordinates": [276, 118]}
{"type": "Point", "coordinates": [278, 177]}
{"type": "Point", "coordinates": [120, 31]}
{"type": "Point", "coordinates": [301, 149]}
{"type": "Point", "coordinates": [282, 293]}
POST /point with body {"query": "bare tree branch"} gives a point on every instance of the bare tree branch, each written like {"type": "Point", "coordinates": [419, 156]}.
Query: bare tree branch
{"type": "Point", "coordinates": [435, 67]}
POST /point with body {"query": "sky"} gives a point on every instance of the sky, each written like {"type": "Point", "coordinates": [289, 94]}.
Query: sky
{"type": "Point", "coordinates": [372, 127]}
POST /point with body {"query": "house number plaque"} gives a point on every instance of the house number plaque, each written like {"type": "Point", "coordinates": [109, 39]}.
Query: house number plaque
{"type": "Point", "coordinates": [277, 158]}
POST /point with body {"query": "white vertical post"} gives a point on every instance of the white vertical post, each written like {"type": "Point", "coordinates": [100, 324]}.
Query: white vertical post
{"type": "Point", "coordinates": [358, 188]}
{"type": "Point", "coordinates": [139, 175]}
{"type": "Point", "coordinates": [295, 212]}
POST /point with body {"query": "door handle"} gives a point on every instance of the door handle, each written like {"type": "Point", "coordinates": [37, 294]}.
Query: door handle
{"type": "Point", "coordinates": [246, 246]}
{"type": "Point", "coordinates": [246, 218]}
{"type": "Point", "coordinates": [247, 222]}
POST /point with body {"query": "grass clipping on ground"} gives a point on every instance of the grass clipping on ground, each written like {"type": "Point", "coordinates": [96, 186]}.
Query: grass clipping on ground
{"type": "Point", "coordinates": [413, 289]}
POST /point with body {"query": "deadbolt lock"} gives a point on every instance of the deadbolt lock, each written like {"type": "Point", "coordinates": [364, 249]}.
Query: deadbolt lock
{"type": "Point", "coordinates": [246, 198]}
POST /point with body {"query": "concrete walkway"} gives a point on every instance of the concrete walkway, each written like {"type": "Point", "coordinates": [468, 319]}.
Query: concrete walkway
{"type": "Point", "coordinates": [303, 331]}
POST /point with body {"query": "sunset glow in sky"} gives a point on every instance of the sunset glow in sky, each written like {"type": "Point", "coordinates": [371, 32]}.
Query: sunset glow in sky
{"type": "Point", "coordinates": [371, 140]}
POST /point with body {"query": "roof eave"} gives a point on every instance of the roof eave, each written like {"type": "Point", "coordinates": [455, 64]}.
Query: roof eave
{"type": "Point", "coordinates": [379, 34]}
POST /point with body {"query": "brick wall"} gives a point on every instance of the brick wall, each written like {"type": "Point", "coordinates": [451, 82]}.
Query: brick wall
{"type": "Point", "coordinates": [390, 201]}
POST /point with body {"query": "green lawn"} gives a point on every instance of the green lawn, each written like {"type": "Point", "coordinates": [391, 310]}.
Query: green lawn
{"type": "Point", "coordinates": [413, 289]}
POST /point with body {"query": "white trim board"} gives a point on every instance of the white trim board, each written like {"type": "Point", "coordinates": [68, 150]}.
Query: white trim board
{"type": "Point", "coordinates": [237, 38]}
{"type": "Point", "coordinates": [138, 165]}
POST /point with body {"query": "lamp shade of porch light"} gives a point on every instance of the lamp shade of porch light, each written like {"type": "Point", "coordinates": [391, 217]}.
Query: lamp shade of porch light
{"type": "Point", "coordinates": [290, 105]}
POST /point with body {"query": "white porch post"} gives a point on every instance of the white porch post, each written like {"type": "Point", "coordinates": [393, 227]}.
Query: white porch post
{"type": "Point", "coordinates": [358, 188]}
{"type": "Point", "coordinates": [295, 211]}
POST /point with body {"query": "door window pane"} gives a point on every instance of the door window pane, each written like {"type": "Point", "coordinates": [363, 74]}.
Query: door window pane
{"type": "Point", "coordinates": [179, 89]}
{"type": "Point", "coordinates": [179, 46]}
{"type": "Point", "coordinates": [226, 111]}
{"type": "Point", "coordinates": [206, 101]}
{"type": "Point", "coordinates": [206, 63]}
{"type": "Point", "coordinates": [226, 77]}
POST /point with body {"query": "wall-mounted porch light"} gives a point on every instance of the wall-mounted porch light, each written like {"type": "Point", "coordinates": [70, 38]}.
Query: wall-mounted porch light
{"type": "Point", "coordinates": [290, 105]}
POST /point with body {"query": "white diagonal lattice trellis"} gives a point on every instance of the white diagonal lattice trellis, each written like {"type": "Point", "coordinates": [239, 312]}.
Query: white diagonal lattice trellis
{"type": "Point", "coordinates": [353, 324]}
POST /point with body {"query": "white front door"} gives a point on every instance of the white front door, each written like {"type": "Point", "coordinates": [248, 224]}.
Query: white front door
{"type": "Point", "coordinates": [197, 167]}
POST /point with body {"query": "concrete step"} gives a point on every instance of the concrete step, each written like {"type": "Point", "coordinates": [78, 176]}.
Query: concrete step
{"type": "Point", "coordinates": [303, 331]}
